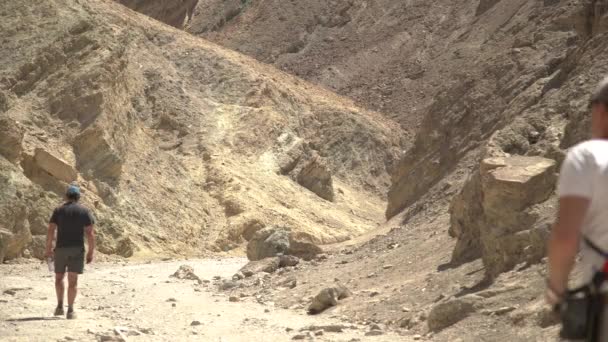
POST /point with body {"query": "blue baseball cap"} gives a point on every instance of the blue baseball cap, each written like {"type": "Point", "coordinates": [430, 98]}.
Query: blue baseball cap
{"type": "Point", "coordinates": [73, 191]}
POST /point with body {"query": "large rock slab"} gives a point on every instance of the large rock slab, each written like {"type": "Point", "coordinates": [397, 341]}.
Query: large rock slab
{"type": "Point", "coordinates": [55, 166]}
{"type": "Point", "coordinates": [495, 215]}
{"type": "Point", "coordinates": [512, 184]}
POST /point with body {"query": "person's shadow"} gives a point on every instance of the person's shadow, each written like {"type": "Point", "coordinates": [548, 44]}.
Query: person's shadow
{"type": "Point", "coordinates": [31, 319]}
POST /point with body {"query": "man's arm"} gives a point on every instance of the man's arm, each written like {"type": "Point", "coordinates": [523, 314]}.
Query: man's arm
{"type": "Point", "coordinates": [90, 233]}
{"type": "Point", "coordinates": [564, 242]}
{"type": "Point", "coordinates": [50, 236]}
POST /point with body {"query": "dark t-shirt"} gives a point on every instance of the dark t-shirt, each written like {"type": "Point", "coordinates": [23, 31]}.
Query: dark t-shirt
{"type": "Point", "coordinates": [71, 219]}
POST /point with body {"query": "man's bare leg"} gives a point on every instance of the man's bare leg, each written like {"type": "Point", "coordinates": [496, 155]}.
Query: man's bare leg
{"type": "Point", "coordinates": [72, 292]}
{"type": "Point", "coordinates": [60, 290]}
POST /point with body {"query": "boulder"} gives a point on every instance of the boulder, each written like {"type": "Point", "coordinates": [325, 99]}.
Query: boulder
{"type": "Point", "coordinates": [511, 187]}
{"type": "Point", "coordinates": [496, 215]}
{"type": "Point", "coordinates": [268, 242]}
{"type": "Point", "coordinates": [451, 312]}
{"type": "Point", "coordinates": [288, 260]}
{"type": "Point", "coordinates": [327, 298]}
{"type": "Point", "coordinates": [274, 241]}
{"type": "Point", "coordinates": [11, 139]}
{"type": "Point", "coordinates": [37, 247]}
{"type": "Point", "coordinates": [185, 272]}
{"type": "Point", "coordinates": [267, 265]}
{"type": "Point", "coordinates": [55, 166]}
{"type": "Point", "coordinates": [316, 177]}
{"type": "Point", "coordinates": [514, 183]}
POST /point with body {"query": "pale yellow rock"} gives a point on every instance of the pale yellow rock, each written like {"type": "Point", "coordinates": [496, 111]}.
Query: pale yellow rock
{"type": "Point", "coordinates": [55, 166]}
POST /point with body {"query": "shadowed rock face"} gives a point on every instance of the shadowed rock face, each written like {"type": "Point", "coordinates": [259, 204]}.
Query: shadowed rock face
{"type": "Point", "coordinates": [172, 12]}
{"type": "Point", "coordinates": [499, 89]}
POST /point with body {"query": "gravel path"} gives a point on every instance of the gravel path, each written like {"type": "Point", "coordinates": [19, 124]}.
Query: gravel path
{"type": "Point", "coordinates": [145, 304]}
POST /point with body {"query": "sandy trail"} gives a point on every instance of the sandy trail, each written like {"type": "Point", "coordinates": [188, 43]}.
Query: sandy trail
{"type": "Point", "coordinates": [140, 297]}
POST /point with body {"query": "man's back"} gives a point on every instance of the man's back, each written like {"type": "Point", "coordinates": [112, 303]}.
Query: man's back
{"type": "Point", "coordinates": [71, 218]}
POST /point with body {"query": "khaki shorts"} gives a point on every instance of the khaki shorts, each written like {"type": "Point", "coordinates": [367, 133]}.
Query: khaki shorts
{"type": "Point", "coordinates": [71, 258]}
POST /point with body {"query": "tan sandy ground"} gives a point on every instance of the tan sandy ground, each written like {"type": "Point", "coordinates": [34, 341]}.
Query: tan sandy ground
{"type": "Point", "coordinates": [135, 296]}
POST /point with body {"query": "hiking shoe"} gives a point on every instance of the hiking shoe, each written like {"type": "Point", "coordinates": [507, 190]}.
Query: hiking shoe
{"type": "Point", "coordinates": [71, 315]}
{"type": "Point", "coordinates": [59, 311]}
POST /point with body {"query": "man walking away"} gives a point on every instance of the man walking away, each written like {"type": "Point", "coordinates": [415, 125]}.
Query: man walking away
{"type": "Point", "coordinates": [71, 221]}
{"type": "Point", "coordinates": [583, 209]}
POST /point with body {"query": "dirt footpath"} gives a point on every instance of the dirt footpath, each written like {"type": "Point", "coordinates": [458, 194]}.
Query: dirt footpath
{"type": "Point", "coordinates": [144, 303]}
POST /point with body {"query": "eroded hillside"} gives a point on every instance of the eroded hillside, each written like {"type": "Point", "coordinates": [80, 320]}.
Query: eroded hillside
{"type": "Point", "coordinates": [501, 94]}
{"type": "Point", "coordinates": [483, 79]}
{"type": "Point", "coordinates": [181, 146]}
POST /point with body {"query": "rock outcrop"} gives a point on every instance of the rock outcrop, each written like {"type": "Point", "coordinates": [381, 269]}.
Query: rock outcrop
{"type": "Point", "coordinates": [316, 177]}
{"type": "Point", "coordinates": [495, 216]}
{"type": "Point", "coordinates": [463, 116]}
{"type": "Point", "coordinates": [306, 167]}
{"type": "Point", "coordinates": [14, 224]}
